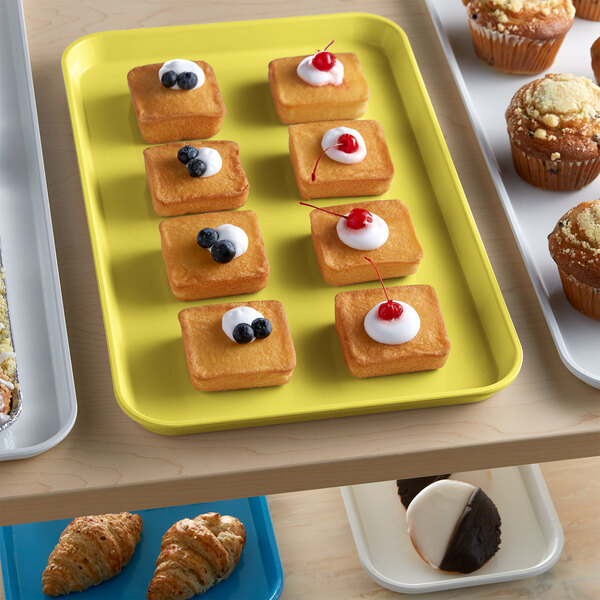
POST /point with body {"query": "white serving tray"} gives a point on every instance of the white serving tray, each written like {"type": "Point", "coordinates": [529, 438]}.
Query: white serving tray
{"type": "Point", "coordinates": [531, 536]}
{"type": "Point", "coordinates": [532, 212]}
{"type": "Point", "coordinates": [37, 318]}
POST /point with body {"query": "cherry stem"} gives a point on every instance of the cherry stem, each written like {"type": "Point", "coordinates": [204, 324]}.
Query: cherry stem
{"type": "Point", "coordinates": [331, 42]}
{"type": "Point", "coordinates": [313, 175]}
{"type": "Point", "coordinates": [324, 210]}
{"type": "Point", "coordinates": [378, 275]}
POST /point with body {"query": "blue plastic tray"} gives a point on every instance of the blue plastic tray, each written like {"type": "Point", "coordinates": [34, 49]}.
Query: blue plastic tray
{"type": "Point", "coordinates": [24, 551]}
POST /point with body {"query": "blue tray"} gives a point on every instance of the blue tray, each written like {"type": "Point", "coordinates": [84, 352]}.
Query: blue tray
{"type": "Point", "coordinates": [24, 551]}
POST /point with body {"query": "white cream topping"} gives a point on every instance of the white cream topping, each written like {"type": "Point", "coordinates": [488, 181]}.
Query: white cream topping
{"type": "Point", "coordinates": [180, 65]}
{"type": "Point", "coordinates": [212, 159]}
{"type": "Point", "coordinates": [237, 315]}
{"type": "Point", "coordinates": [5, 355]}
{"type": "Point", "coordinates": [235, 235]}
{"type": "Point", "coordinates": [396, 331]}
{"type": "Point", "coordinates": [8, 384]}
{"type": "Point", "coordinates": [331, 137]}
{"type": "Point", "coordinates": [433, 515]}
{"type": "Point", "coordinates": [369, 237]}
{"type": "Point", "coordinates": [315, 77]}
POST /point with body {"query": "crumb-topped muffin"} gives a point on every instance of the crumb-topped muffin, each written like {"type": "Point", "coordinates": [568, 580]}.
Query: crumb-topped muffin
{"type": "Point", "coordinates": [587, 9]}
{"type": "Point", "coordinates": [519, 36]}
{"type": "Point", "coordinates": [574, 245]}
{"type": "Point", "coordinates": [554, 130]}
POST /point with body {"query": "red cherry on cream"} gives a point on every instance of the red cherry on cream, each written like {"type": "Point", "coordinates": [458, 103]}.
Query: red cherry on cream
{"type": "Point", "coordinates": [389, 310]}
{"type": "Point", "coordinates": [357, 218]}
{"type": "Point", "coordinates": [346, 143]}
{"type": "Point", "coordinates": [324, 61]}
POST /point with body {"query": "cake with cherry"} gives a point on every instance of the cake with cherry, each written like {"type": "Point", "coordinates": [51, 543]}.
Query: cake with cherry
{"type": "Point", "coordinates": [320, 87]}
{"type": "Point", "coordinates": [340, 158]}
{"type": "Point", "coordinates": [237, 345]}
{"type": "Point", "coordinates": [404, 333]}
{"type": "Point", "coordinates": [342, 234]}
{"type": "Point", "coordinates": [195, 177]}
{"type": "Point", "coordinates": [214, 254]}
{"type": "Point", "coordinates": [177, 100]}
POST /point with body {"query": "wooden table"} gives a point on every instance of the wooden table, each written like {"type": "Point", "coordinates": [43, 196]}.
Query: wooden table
{"type": "Point", "coordinates": [109, 462]}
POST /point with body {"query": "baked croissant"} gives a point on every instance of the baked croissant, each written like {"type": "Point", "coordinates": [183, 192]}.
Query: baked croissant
{"type": "Point", "coordinates": [91, 550]}
{"type": "Point", "coordinates": [195, 555]}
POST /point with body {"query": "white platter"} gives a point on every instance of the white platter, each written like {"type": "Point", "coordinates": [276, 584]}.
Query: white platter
{"type": "Point", "coordinates": [531, 536]}
{"type": "Point", "coordinates": [49, 404]}
{"type": "Point", "coordinates": [532, 212]}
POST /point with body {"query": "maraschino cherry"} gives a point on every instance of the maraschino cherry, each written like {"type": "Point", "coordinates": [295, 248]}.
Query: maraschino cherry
{"type": "Point", "coordinates": [346, 143]}
{"type": "Point", "coordinates": [358, 218]}
{"type": "Point", "coordinates": [323, 60]}
{"type": "Point", "coordinates": [389, 310]}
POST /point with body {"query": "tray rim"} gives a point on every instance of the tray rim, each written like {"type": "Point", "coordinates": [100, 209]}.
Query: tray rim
{"type": "Point", "coordinates": [531, 474]}
{"type": "Point", "coordinates": [157, 425]}
{"type": "Point", "coordinates": [581, 373]}
{"type": "Point", "coordinates": [43, 205]}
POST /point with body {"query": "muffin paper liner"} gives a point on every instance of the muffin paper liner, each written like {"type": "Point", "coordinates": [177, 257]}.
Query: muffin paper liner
{"type": "Point", "coordinates": [583, 297]}
{"type": "Point", "coordinates": [587, 9]}
{"type": "Point", "coordinates": [512, 53]}
{"type": "Point", "coordinates": [559, 175]}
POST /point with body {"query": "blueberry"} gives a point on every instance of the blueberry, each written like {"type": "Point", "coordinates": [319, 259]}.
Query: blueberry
{"type": "Point", "coordinates": [196, 167]}
{"type": "Point", "coordinates": [262, 328]}
{"type": "Point", "coordinates": [223, 251]}
{"type": "Point", "coordinates": [207, 237]}
{"type": "Point", "coordinates": [242, 333]}
{"type": "Point", "coordinates": [187, 80]}
{"type": "Point", "coordinates": [186, 153]}
{"type": "Point", "coordinates": [169, 78]}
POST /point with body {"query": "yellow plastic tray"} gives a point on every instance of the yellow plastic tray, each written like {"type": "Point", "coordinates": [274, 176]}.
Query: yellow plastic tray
{"type": "Point", "coordinates": [149, 372]}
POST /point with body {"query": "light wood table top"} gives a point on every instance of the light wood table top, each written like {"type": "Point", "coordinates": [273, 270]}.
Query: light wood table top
{"type": "Point", "coordinates": [110, 463]}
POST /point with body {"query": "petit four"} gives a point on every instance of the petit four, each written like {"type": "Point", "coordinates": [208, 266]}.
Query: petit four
{"type": "Point", "coordinates": [401, 335]}
{"type": "Point", "coordinates": [574, 245]}
{"type": "Point", "coordinates": [387, 233]}
{"type": "Point", "coordinates": [91, 550]}
{"type": "Point", "coordinates": [195, 555]}
{"type": "Point", "coordinates": [196, 177]}
{"type": "Point", "coordinates": [554, 128]}
{"type": "Point", "coordinates": [176, 100]}
{"type": "Point", "coordinates": [454, 526]}
{"type": "Point", "coordinates": [340, 158]}
{"type": "Point", "coordinates": [250, 345]}
{"type": "Point", "coordinates": [8, 367]}
{"type": "Point", "coordinates": [229, 260]}
{"type": "Point", "coordinates": [320, 87]}
{"type": "Point", "coordinates": [519, 36]}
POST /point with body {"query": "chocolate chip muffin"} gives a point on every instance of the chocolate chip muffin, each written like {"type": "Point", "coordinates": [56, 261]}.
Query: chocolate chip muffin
{"type": "Point", "coordinates": [574, 245]}
{"type": "Point", "coordinates": [519, 36]}
{"type": "Point", "coordinates": [554, 130]}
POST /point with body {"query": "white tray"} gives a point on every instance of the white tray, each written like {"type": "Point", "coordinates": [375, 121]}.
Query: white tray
{"type": "Point", "coordinates": [532, 212]}
{"type": "Point", "coordinates": [531, 536]}
{"type": "Point", "coordinates": [49, 404]}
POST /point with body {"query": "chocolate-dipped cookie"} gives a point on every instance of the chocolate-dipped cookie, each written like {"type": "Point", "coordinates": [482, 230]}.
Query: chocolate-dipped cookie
{"type": "Point", "coordinates": [409, 488]}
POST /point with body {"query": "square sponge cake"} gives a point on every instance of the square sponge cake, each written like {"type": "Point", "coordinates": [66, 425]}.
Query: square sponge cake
{"type": "Point", "coordinates": [299, 102]}
{"type": "Point", "coordinates": [191, 271]}
{"type": "Point", "coordinates": [365, 357]}
{"type": "Point", "coordinates": [167, 115]}
{"type": "Point", "coordinates": [215, 362]}
{"type": "Point", "coordinates": [174, 191]}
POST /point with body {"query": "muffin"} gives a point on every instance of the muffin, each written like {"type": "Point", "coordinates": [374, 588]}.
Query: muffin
{"type": "Point", "coordinates": [519, 36]}
{"type": "Point", "coordinates": [595, 52]}
{"type": "Point", "coordinates": [574, 245]}
{"type": "Point", "coordinates": [587, 9]}
{"type": "Point", "coordinates": [554, 129]}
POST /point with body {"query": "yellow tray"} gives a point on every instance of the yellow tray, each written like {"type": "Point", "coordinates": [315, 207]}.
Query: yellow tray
{"type": "Point", "coordinates": [149, 372]}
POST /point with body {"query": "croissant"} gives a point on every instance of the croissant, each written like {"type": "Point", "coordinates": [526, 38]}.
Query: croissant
{"type": "Point", "coordinates": [91, 550]}
{"type": "Point", "coordinates": [196, 554]}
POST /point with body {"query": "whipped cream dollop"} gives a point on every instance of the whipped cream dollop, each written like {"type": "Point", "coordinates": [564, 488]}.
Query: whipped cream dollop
{"type": "Point", "coordinates": [234, 234]}
{"type": "Point", "coordinates": [181, 65]}
{"type": "Point", "coordinates": [237, 315]}
{"type": "Point", "coordinates": [369, 237]}
{"type": "Point", "coordinates": [331, 137]}
{"type": "Point", "coordinates": [315, 77]}
{"type": "Point", "coordinates": [396, 331]}
{"type": "Point", "coordinates": [212, 159]}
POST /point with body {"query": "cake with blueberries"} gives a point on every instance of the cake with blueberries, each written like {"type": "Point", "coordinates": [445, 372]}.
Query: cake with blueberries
{"type": "Point", "coordinates": [320, 87]}
{"type": "Point", "coordinates": [199, 176]}
{"type": "Point", "coordinates": [176, 100]}
{"type": "Point", "coordinates": [237, 345]}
